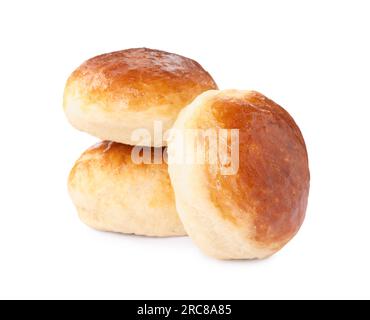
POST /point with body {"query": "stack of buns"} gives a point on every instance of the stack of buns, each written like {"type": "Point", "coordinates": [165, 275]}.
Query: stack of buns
{"type": "Point", "coordinates": [120, 96]}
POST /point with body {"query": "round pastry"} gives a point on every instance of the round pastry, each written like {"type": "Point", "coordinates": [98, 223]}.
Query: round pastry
{"type": "Point", "coordinates": [251, 202]}
{"type": "Point", "coordinates": [113, 95]}
{"type": "Point", "coordinates": [112, 193]}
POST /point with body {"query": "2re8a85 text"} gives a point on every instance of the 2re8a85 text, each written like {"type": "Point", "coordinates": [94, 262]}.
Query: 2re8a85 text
{"type": "Point", "coordinates": [186, 310]}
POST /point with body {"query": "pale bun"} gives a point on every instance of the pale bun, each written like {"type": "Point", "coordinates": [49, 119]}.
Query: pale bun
{"type": "Point", "coordinates": [112, 193]}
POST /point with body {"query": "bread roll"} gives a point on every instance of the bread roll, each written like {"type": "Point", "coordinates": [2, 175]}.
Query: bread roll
{"type": "Point", "coordinates": [112, 95]}
{"type": "Point", "coordinates": [254, 211]}
{"type": "Point", "coordinates": [112, 193]}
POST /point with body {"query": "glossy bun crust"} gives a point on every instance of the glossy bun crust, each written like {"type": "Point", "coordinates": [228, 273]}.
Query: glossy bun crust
{"type": "Point", "coordinates": [255, 212]}
{"type": "Point", "coordinates": [112, 193]}
{"type": "Point", "coordinates": [113, 94]}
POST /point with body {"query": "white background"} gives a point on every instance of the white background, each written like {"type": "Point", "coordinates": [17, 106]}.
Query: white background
{"type": "Point", "coordinates": [312, 57]}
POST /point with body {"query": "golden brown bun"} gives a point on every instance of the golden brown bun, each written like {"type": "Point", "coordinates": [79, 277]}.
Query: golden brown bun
{"type": "Point", "coordinates": [112, 193]}
{"type": "Point", "coordinates": [113, 94]}
{"type": "Point", "coordinates": [255, 212]}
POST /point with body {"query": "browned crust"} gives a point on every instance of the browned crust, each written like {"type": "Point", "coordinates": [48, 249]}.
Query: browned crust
{"type": "Point", "coordinates": [272, 184]}
{"type": "Point", "coordinates": [139, 79]}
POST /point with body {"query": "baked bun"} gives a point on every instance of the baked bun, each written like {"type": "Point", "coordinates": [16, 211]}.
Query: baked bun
{"type": "Point", "coordinates": [112, 193]}
{"type": "Point", "coordinates": [252, 208]}
{"type": "Point", "coordinates": [114, 94]}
